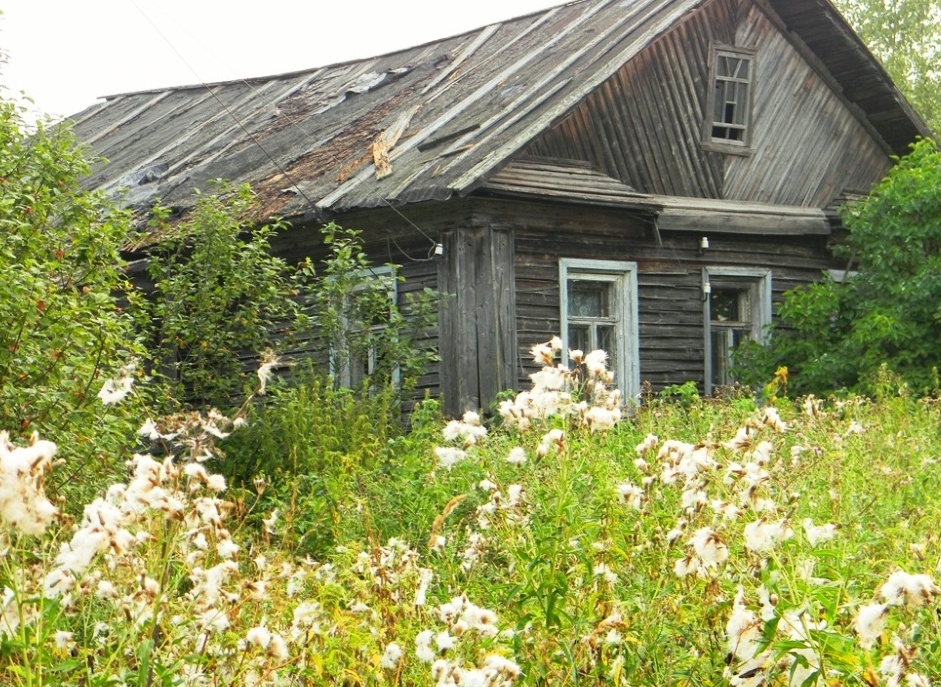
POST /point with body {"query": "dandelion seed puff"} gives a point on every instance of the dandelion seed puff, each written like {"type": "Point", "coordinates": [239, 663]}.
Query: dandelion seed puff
{"type": "Point", "coordinates": [854, 428]}
{"type": "Point", "coordinates": [215, 483]}
{"type": "Point", "coordinates": [818, 533]}
{"type": "Point", "coordinates": [278, 648]}
{"type": "Point", "coordinates": [214, 620]}
{"type": "Point", "coordinates": [444, 641]}
{"type": "Point", "coordinates": [688, 565]}
{"type": "Point", "coordinates": [743, 629]}
{"type": "Point", "coordinates": [448, 456]}
{"type": "Point", "coordinates": [905, 589]}
{"type": "Point", "coordinates": [270, 521]}
{"type": "Point", "coordinates": [149, 430]}
{"type": "Point", "coordinates": [763, 536]}
{"type": "Point", "coordinates": [870, 623]}
{"type": "Point", "coordinates": [605, 571]}
{"type": "Point", "coordinates": [602, 419]}
{"type": "Point", "coordinates": [596, 362]}
{"type": "Point", "coordinates": [391, 656]}
{"type": "Point", "coordinates": [425, 576]}
{"type": "Point", "coordinates": [517, 456]}
{"type": "Point", "coordinates": [423, 650]}
{"type": "Point", "coordinates": [227, 548]}
{"type": "Point", "coordinates": [631, 495]}
{"type": "Point", "coordinates": [542, 354]}
{"type": "Point", "coordinates": [771, 418]}
{"type": "Point", "coordinates": [265, 370]}
{"type": "Point", "coordinates": [115, 390]}
{"type": "Point", "coordinates": [259, 635]}
{"type": "Point", "coordinates": [650, 442]}
{"type": "Point", "coordinates": [741, 440]}
{"type": "Point", "coordinates": [709, 547]}
{"type": "Point", "coordinates": [63, 639]}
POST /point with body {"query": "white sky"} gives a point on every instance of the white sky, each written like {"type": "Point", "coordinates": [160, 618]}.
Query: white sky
{"type": "Point", "coordinates": [64, 54]}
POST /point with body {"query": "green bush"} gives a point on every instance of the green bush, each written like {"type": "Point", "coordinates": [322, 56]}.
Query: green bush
{"type": "Point", "coordinates": [63, 327]}
{"type": "Point", "coordinates": [886, 318]}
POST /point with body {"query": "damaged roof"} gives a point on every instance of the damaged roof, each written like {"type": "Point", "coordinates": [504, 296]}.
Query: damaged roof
{"type": "Point", "coordinates": [423, 123]}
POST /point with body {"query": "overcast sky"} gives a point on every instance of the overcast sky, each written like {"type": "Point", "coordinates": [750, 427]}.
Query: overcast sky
{"type": "Point", "coordinates": [67, 53]}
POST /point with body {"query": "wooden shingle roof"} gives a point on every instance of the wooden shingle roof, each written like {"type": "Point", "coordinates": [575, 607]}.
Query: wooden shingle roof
{"type": "Point", "coordinates": [423, 123]}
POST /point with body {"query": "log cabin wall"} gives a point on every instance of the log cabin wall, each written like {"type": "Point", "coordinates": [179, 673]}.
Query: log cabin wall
{"type": "Point", "coordinates": [670, 308]}
{"type": "Point", "coordinates": [405, 238]}
{"type": "Point", "coordinates": [644, 126]}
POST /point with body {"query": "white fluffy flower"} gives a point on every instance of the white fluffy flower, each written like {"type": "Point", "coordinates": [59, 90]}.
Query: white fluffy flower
{"type": "Point", "coordinates": [391, 656]}
{"type": "Point", "coordinates": [517, 456]}
{"type": "Point", "coordinates": [114, 390]}
{"type": "Point", "coordinates": [869, 624]}
{"type": "Point", "coordinates": [818, 533]}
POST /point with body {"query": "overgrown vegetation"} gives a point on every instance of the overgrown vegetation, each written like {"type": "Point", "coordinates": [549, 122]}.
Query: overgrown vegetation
{"type": "Point", "coordinates": [701, 545]}
{"type": "Point", "coordinates": [904, 36]}
{"type": "Point", "coordinates": [883, 322]}
{"type": "Point", "coordinates": [220, 297]}
{"type": "Point", "coordinates": [63, 292]}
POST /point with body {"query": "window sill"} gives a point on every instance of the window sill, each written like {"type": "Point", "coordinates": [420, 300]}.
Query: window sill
{"type": "Point", "coordinates": [728, 148]}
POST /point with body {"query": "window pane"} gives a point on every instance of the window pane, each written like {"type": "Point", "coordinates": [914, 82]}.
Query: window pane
{"type": "Point", "coordinates": [721, 355]}
{"type": "Point", "coordinates": [719, 103]}
{"type": "Point", "coordinates": [605, 340]}
{"type": "Point", "coordinates": [589, 299]}
{"type": "Point", "coordinates": [724, 305]}
{"type": "Point", "coordinates": [579, 337]}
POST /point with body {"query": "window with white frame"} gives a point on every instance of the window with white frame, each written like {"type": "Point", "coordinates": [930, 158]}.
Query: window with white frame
{"type": "Point", "coordinates": [599, 311]}
{"type": "Point", "coordinates": [729, 111]}
{"type": "Point", "coordinates": [353, 354]}
{"type": "Point", "coordinates": [736, 308]}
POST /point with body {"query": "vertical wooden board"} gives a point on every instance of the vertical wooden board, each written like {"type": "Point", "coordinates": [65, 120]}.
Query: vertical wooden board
{"type": "Point", "coordinates": [467, 313]}
{"type": "Point", "coordinates": [486, 320]}
{"type": "Point", "coordinates": [505, 281]}
{"type": "Point", "coordinates": [448, 324]}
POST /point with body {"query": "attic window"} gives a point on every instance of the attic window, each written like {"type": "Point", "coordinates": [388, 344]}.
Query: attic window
{"type": "Point", "coordinates": [729, 121]}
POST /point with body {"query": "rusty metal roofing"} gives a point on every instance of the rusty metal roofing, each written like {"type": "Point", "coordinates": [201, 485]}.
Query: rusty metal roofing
{"type": "Point", "coordinates": [419, 124]}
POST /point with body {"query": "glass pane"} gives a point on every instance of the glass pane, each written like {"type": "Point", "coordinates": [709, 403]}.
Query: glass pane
{"type": "Point", "coordinates": [721, 356]}
{"type": "Point", "coordinates": [589, 299]}
{"type": "Point", "coordinates": [741, 95]}
{"type": "Point", "coordinates": [606, 341]}
{"type": "Point", "coordinates": [724, 305]}
{"type": "Point", "coordinates": [719, 102]}
{"type": "Point", "coordinates": [723, 66]}
{"type": "Point", "coordinates": [580, 337]}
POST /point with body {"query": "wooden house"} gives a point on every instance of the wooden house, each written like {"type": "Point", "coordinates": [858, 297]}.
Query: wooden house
{"type": "Point", "coordinates": [646, 176]}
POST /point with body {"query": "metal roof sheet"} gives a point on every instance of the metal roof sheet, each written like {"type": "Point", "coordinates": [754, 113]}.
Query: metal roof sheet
{"type": "Point", "coordinates": [414, 125]}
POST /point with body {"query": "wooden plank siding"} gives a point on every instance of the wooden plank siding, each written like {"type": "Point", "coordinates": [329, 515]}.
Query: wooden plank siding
{"type": "Point", "coordinates": [669, 277]}
{"type": "Point", "coordinates": [644, 125]}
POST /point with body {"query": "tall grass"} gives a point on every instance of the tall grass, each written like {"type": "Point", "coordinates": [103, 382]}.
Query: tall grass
{"type": "Point", "coordinates": [697, 544]}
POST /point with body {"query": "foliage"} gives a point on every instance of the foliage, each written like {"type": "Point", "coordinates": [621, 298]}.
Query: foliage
{"type": "Point", "coordinates": [220, 297]}
{"type": "Point", "coordinates": [905, 37]}
{"type": "Point", "coordinates": [700, 545]}
{"type": "Point", "coordinates": [886, 318]}
{"type": "Point", "coordinates": [307, 447]}
{"type": "Point", "coordinates": [63, 329]}
{"type": "Point", "coordinates": [354, 308]}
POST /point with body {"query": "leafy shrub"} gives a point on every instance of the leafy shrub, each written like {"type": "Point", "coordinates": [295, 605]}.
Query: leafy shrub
{"type": "Point", "coordinates": [886, 316]}
{"type": "Point", "coordinates": [220, 298]}
{"type": "Point", "coordinates": [63, 327]}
